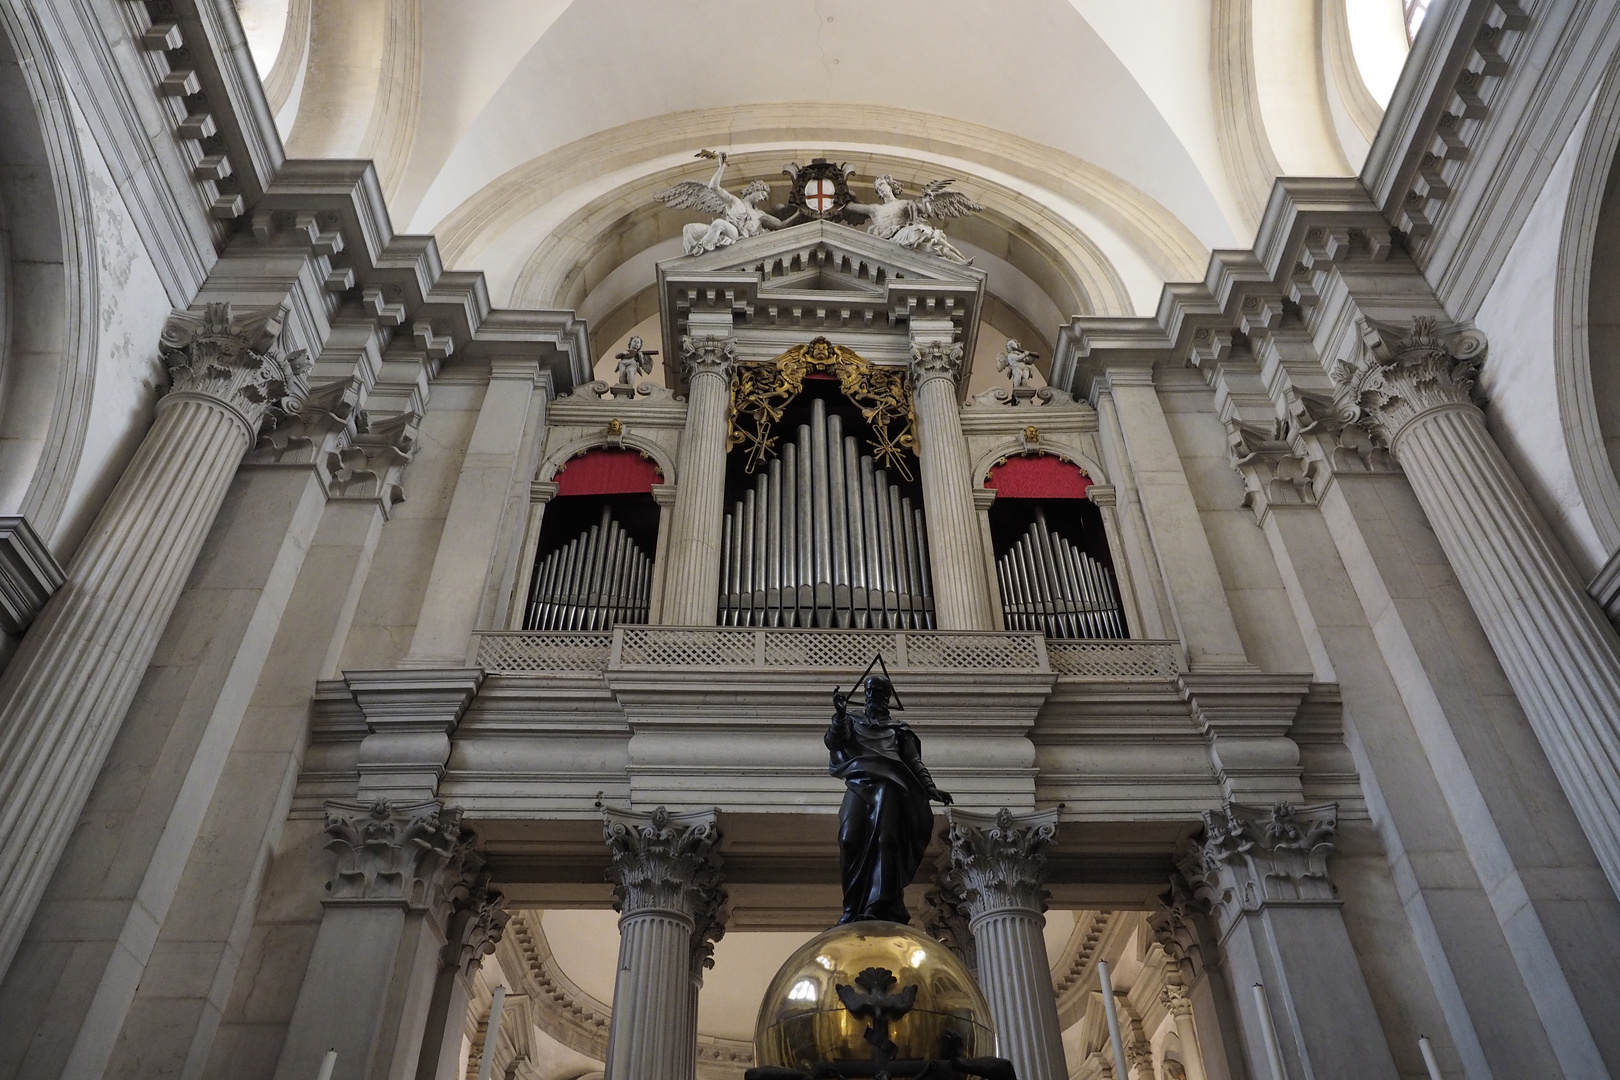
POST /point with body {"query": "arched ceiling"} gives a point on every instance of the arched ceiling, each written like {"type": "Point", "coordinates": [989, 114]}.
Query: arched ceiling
{"type": "Point", "coordinates": [1114, 144]}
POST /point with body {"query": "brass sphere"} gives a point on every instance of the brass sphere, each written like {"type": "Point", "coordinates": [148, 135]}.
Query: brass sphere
{"type": "Point", "coordinates": [802, 1021]}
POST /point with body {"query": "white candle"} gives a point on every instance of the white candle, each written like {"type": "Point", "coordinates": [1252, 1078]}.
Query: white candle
{"type": "Point", "coordinates": [487, 1061]}
{"type": "Point", "coordinates": [1273, 1050]}
{"type": "Point", "coordinates": [1428, 1057]}
{"type": "Point", "coordinates": [1111, 1011]}
{"type": "Point", "coordinates": [328, 1063]}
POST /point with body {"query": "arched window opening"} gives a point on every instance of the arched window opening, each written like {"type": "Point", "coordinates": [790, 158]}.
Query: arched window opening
{"type": "Point", "coordinates": [820, 533]}
{"type": "Point", "coordinates": [593, 568]}
{"type": "Point", "coordinates": [1052, 558]}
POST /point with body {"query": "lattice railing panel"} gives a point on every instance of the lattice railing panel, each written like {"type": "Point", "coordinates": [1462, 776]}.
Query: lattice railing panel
{"type": "Point", "coordinates": [829, 648]}
{"type": "Point", "coordinates": [1115, 659]}
{"type": "Point", "coordinates": [522, 654]}
{"type": "Point", "coordinates": [687, 647]}
{"type": "Point", "coordinates": [994, 652]}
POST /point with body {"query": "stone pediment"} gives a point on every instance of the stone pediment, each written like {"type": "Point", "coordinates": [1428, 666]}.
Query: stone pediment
{"type": "Point", "coordinates": [816, 277]}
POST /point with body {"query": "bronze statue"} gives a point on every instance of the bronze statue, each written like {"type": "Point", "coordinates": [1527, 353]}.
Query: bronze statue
{"type": "Point", "coordinates": [885, 822]}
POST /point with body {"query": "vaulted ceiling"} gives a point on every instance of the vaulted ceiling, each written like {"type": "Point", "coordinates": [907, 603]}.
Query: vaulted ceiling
{"type": "Point", "coordinates": [1114, 145]}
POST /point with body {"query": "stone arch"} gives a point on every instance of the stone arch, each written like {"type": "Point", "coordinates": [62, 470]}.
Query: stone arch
{"type": "Point", "coordinates": [628, 440]}
{"type": "Point", "coordinates": [1586, 337]}
{"type": "Point", "coordinates": [1014, 446]}
{"type": "Point", "coordinates": [47, 254]}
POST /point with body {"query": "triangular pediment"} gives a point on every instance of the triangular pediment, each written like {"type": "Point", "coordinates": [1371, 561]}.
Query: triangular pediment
{"type": "Point", "coordinates": [832, 252]}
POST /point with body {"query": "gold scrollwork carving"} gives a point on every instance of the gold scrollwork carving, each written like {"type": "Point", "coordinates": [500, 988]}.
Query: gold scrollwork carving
{"type": "Point", "coordinates": [761, 390]}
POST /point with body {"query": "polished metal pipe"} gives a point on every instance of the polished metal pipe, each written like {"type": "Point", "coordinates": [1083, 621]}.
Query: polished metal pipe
{"type": "Point", "coordinates": [914, 564]}
{"type": "Point", "coordinates": [804, 532]}
{"type": "Point", "coordinates": [1007, 604]}
{"type": "Point", "coordinates": [820, 514]}
{"type": "Point", "coordinates": [604, 555]}
{"type": "Point", "coordinates": [838, 502]}
{"type": "Point", "coordinates": [859, 577]}
{"type": "Point", "coordinates": [1097, 600]}
{"type": "Point", "coordinates": [559, 588]}
{"type": "Point", "coordinates": [604, 578]}
{"type": "Point", "coordinates": [614, 590]}
{"type": "Point", "coordinates": [1040, 536]}
{"type": "Point", "coordinates": [542, 593]}
{"type": "Point", "coordinates": [773, 542]}
{"type": "Point", "coordinates": [620, 578]}
{"type": "Point", "coordinates": [924, 568]}
{"type": "Point", "coordinates": [739, 561]}
{"type": "Point", "coordinates": [725, 568]}
{"type": "Point", "coordinates": [885, 538]}
{"type": "Point", "coordinates": [745, 578]}
{"type": "Point", "coordinates": [876, 581]}
{"type": "Point", "coordinates": [1037, 584]}
{"type": "Point", "coordinates": [579, 603]}
{"type": "Point", "coordinates": [1015, 571]}
{"type": "Point", "coordinates": [761, 551]}
{"type": "Point", "coordinates": [1073, 584]}
{"type": "Point", "coordinates": [902, 574]}
{"type": "Point", "coordinates": [790, 546]}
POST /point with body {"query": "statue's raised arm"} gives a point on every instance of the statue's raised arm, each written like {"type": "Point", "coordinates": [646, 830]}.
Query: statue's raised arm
{"type": "Point", "coordinates": [905, 221]}
{"type": "Point", "coordinates": [736, 217]}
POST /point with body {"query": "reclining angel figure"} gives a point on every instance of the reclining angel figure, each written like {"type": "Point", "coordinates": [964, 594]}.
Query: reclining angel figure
{"type": "Point", "coordinates": [737, 217]}
{"type": "Point", "coordinates": [904, 220]}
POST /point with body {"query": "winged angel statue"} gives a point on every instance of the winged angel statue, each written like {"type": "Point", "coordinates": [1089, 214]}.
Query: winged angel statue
{"type": "Point", "coordinates": [737, 217]}
{"type": "Point", "coordinates": [904, 221]}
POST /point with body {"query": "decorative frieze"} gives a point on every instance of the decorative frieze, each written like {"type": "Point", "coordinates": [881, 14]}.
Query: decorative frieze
{"type": "Point", "coordinates": [1403, 374]}
{"type": "Point", "coordinates": [231, 357]}
{"type": "Point", "coordinates": [412, 854]}
{"type": "Point", "coordinates": [1252, 856]}
{"type": "Point", "coordinates": [999, 864]}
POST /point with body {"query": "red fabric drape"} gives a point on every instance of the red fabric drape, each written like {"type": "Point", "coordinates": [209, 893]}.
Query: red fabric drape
{"type": "Point", "coordinates": [604, 471]}
{"type": "Point", "coordinates": [1040, 476]}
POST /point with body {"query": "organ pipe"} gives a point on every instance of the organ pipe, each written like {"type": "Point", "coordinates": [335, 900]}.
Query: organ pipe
{"type": "Point", "coordinates": [822, 539]}
{"type": "Point", "coordinates": [598, 579]}
{"type": "Point", "coordinates": [1051, 585]}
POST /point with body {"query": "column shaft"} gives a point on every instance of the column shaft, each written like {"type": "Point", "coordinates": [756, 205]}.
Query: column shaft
{"type": "Point", "coordinates": [692, 581]}
{"type": "Point", "coordinates": [1017, 978]}
{"type": "Point", "coordinates": [961, 595]}
{"type": "Point", "coordinates": [648, 1039]}
{"type": "Point", "coordinates": [66, 691]}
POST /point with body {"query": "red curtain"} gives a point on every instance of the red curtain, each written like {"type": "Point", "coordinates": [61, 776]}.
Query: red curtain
{"type": "Point", "coordinates": [604, 471]}
{"type": "Point", "coordinates": [1040, 476]}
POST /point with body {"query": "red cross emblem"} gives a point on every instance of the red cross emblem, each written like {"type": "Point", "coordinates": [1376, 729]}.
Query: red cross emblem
{"type": "Point", "coordinates": [819, 195]}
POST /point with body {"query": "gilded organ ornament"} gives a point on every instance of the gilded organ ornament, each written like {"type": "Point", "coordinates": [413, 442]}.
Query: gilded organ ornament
{"type": "Point", "coordinates": [762, 390]}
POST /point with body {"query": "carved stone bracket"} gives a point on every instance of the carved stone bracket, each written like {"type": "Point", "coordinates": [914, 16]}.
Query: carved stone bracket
{"type": "Point", "coordinates": [935, 360]}
{"type": "Point", "coordinates": [369, 467]}
{"type": "Point", "coordinates": [412, 854]}
{"type": "Point", "coordinates": [1403, 374]}
{"type": "Point", "coordinates": [1252, 856]}
{"type": "Point", "coordinates": [232, 358]}
{"type": "Point", "coordinates": [1274, 474]}
{"type": "Point", "coordinates": [666, 862]}
{"type": "Point", "coordinates": [1317, 433]}
{"type": "Point", "coordinates": [1001, 861]}
{"type": "Point", "coordinates": [708, 355]}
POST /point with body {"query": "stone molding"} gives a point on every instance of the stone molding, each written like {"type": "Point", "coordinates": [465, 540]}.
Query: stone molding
{"type": "Point", "coordinates": [231, 357]}
{"type": "Point", "coordinates": [999, 862]}
{"type": "Point", "coordinates": [1404, 374]}
{"type": "Point", "coordinates": [708, 355]}
{"type": "Point", "coordinates": [409, 716]}
{"type": "Point", "coordinates": [1253, 856]}
{"type": "Point", "coordinates": [666, 862]}
{"type": "Point", "coordinates": [935, 360]}
{"type": "Point", "coordinates": [409, 854]}
{"type": "Point", "coordinates": [29, 575]}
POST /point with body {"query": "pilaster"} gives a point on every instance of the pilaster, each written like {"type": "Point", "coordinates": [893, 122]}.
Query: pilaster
{"type": "Point", "coordinates": [692, 580]}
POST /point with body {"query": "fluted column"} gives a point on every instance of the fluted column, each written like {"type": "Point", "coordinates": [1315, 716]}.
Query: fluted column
{"type": "Point", "coordinates": [999, 868]}
{"type": "Point", "coordinates": [667, 889]}
{"type": "Point", "coordinates": [961, 594]}
{"type": "Point", "coordinates": [692, 581]}
{"type": "Point", "coordinates": [1412, 389]}
{"type": "Point", "coordinates": [65, 693]}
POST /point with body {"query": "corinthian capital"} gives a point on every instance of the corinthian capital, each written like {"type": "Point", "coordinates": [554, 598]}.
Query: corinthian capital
{"type": "Point", "coordinates": [1000, 862]}
{"type": "Point", "coordinates": [413, 854]}
{"type": "Point", "coordinates": [231, 357]}
{"type": "Point", "coordinates": [1251, 856]}
{"type": "Point", "coordinates": [935, 360]}
{"type": "Point", "coordinates": [708, 355]}
{"type": "Point", "coordinates": [666, 862]}
{"type": "Point", "coordinates": [1403, 374]}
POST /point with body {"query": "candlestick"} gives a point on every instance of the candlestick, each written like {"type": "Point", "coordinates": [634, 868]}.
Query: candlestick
{"type": "Point", "coordinates": [1111, 1011]}
{"type": "Point", "coordinates": [328, 1063]}
{"type": "Point", "coordinates": [487, 1061]}
{"type": "Point", "coordinates": [1273, 1050]}
{"type": "Point", "coordinates": [1428, 1057]}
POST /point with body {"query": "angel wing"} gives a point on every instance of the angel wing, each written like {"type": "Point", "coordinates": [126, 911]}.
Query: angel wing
{"type": "Point", "coordinates": [935, 201]}
{"type": "Point", "coordinates": [691, 195]}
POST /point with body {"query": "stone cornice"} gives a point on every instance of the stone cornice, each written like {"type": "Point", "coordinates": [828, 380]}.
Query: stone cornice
{"type": "Point", "coordinates": [29, 575]}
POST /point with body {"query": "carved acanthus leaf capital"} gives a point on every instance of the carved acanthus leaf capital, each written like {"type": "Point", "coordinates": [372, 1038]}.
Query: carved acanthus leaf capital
{"type": "Point", "coordinates": [1273, 473]}
{"type": "Point", "coordinates": [1001, 861]}
{"type": "Point", "coordinates": [1403, 374]}
{"type": "Point", "coordinates": [1317, 432]}
{"type": "Point", "coordinates": [708, 355]}
{"type": "Point", "coordinates": [935, 360]}
{"type": "Point", "coordinates": [369, 466]}
{"type": "Point", "coordinates": [1251, 856]}
{"type": "Point", "coordinates": [665, 862]}
{"type": "Point", "coordinates": [414, 854]}
{"type": "Point", "coordinates": [232, 357]}
{"type": "Point", "coordinates": [1179, 926]}
{"type": "Point", "coordinates": [1175, 999]}
{"type": "Point", "coordinates": [944, 916]}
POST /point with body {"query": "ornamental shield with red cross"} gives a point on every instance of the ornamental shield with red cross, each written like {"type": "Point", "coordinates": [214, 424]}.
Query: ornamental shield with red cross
{"type": "Point", "coordinates": [820, 189]}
